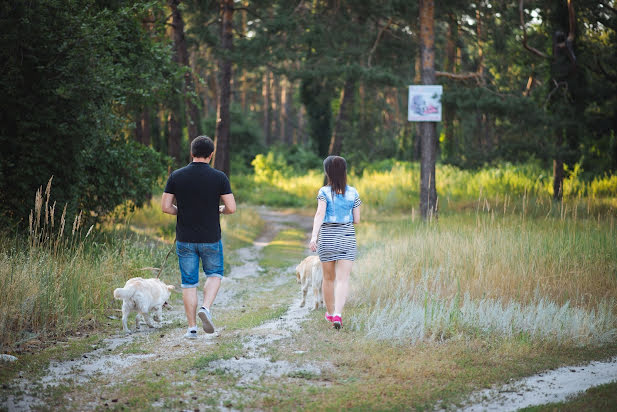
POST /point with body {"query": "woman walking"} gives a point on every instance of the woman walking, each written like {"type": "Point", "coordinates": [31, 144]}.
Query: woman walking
{"type": "Point", "coordinates": [334, 235]}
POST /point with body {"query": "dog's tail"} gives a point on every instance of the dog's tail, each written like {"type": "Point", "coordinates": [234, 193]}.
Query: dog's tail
{"type": "Point", "coordinates": [122, 293]}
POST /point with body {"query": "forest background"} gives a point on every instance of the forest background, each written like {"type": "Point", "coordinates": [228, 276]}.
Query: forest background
{"type": "Point", "coordinates": [105, 95]}
{"type": "Point", "coordinates": [99, 100]}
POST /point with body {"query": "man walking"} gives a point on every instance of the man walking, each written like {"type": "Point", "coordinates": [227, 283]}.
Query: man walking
{"type": "Point", "coordinates": [198, 190]}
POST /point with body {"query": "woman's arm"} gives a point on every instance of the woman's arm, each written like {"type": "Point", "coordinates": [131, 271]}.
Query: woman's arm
{"type": "Point", "coordinates": [317, 221]}
{"type": "Point", "coordinates": [356, 214]}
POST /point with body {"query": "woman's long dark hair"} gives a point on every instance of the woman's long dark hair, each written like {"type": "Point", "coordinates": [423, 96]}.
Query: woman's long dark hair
{"type": "Point", "coordinates": [336, 171]}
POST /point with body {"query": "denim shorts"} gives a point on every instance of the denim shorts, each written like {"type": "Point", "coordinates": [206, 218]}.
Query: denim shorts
{"type": "Point", "coordinates": [211, 255]}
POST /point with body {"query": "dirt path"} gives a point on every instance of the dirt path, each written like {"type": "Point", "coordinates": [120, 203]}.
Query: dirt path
{"type": "Point", "coordinates": [547, 387]}
{"type": "Point", "coordinates": [111, 357]}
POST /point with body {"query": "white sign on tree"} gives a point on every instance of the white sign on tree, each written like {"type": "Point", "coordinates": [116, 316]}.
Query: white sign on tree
{"type": "Point", "coordinates": [424, 104]}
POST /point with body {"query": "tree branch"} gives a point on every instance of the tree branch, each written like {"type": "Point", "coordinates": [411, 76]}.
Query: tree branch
{"type": "Point", "coordinates": [370, 54]}
{"type": "Point", "coordinates": [460, 76]}
{"type": "Point", "coordinates": [525, 45]}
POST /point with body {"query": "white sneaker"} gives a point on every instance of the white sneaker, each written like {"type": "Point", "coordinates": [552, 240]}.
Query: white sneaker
{"type": "Point", "coordinates": [206, 320]}
{"type": "Point", "coordinates": [191, 334]}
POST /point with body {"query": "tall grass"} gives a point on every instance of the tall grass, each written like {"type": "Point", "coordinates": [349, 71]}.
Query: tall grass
{"type": "Point", "coordinates": [396, 187]}
{"type": "Point", "coordinates": [60, 277]}
{"type": "Point", "coordinates": [546, 279]}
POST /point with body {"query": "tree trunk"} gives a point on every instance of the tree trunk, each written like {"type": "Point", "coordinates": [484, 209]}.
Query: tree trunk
{"type": "Point", "coordinates": [181, 57]}
{"type": "Point", "coordinates": [223, 117]}
{"type": "Point", "coordinates": [450, 66]}
{"type": "Point", "coordinates": [300, 135]}
{"type": "Point", "coordinates": [428, 193]}
{"type": "Point", "coordinates": [417, 137]}
{"type": "Point", "coordinates": [563, 71]}
{"type": "Point", "coordinates": [287, 112]}
{"type": "Point", "coordinates": [138, 130]}
{"type": "Point", "coordinates": [267, 109]}
{"type": "Point", "coordinates": [243, 81]}
{"type": "Point", "coordinates": [342, 126]}
{"type": "Point", "coordinates": [558, 170]}
{"type": "Point", "coordinates": [174, 136]}
{"type": "Point", "coordinates": [276, 107]}
{"type": "Point", "coordinates": [146, 130]}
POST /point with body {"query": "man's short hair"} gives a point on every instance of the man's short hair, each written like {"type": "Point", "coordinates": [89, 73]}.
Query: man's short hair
{"type": "Point", "coordinates": [202, 146]}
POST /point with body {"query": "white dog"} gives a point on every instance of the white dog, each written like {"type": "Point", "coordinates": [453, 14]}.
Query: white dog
{"type": "Point", "coordinates": [142, 296]}
{"type": "Point", "coordinates": [309, 272]}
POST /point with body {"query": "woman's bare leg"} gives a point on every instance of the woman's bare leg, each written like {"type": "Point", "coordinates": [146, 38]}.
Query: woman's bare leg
{"type": "Point", "coordinates": [329, 275]}
{"type": "Point", "coordinates": [341, 286]}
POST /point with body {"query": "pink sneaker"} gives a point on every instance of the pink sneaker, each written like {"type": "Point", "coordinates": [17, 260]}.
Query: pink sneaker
{"type": "Point", "coordinates": [329, 317]}
{"type": "Point", "coordinates": [337, 322]}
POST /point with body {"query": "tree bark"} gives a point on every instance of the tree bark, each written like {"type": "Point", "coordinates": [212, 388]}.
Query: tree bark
{"type": "Point", "coordinates": [343, 121]}
{"type": "Point", "coordinates": [138, 130]}
{"type": "Point", "coordinates": [450, 66]}
{"type": "Point", "coordinates": [174, 136]}
{"type": "Point", "coordinates": [181, 57]}
{"type": "Point", "coordinates": [287, 112]}
{"type": "Point", "coordinates": [562, 69]}
{"type": "Point", "coordinates": [146, 130]}
{"type": "Point", "coordinates": [558, 169]}
{"type": "Point", "coordinates": [276, 107]}
{"type": "Point", "coordinates": [223, 116]}
{"type": "Point", "coordinates": [428, 193]}
{"type": "Point", "coordinates": [267, 109]}
{"type": "Point", "coordinates": [243, 81]}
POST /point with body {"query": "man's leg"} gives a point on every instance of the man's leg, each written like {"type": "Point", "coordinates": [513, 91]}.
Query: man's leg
{"type": "Point", "coordinates": [189, 270]}
{"type": "Point", "coordinates": [213, 265]}
{"type": "Point", "coordinates": [211, 288]}
{"type": "Point", "coordinates": [328, 285]}
{"type": "Point", "coordinates": [189, 296]}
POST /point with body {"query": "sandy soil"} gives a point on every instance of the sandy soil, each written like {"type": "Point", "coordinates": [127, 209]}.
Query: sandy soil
{"type": "Point", "coordinates": [546, 387]}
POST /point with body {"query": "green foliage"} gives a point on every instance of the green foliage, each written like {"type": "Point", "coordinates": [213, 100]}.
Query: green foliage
{"type": "Point", "coordinates": [72, 67]}
{"type": "Point", "coordinates": [270, 167]}
{"type": "Point", "coordinates": [128, 170]}
{"type": "Point", "coordinates": [391, 185]}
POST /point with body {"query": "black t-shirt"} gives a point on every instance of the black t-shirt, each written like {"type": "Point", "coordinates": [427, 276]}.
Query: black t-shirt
{"type": "Point", "coordinates": [198, 188]}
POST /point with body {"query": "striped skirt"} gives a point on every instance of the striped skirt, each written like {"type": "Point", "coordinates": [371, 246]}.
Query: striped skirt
{"type": "Point", "coordinates": [336, 241]}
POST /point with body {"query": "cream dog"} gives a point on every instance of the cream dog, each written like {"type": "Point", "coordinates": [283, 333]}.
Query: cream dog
{"type": "Point", "coordinates": [142, 296]}
{"type": "Point", "coordinates": [309, 272]}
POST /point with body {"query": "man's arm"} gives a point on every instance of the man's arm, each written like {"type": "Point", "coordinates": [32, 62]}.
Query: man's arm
{"type": "Point", "coordinates": [167, 204]}
{"type": "Point", "coordinates": [229, 204]}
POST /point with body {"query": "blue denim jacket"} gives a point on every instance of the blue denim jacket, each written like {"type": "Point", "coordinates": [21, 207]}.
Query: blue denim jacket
{"type": "Point", "coordinates": [339, 207]}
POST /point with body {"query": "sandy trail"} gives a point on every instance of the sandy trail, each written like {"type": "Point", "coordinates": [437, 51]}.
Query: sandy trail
{"type": "Point", "coordinates": [546, 387]}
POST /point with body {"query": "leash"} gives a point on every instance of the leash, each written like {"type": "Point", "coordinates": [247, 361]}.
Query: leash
{"type": "Point", "coordinates": [166, 257]}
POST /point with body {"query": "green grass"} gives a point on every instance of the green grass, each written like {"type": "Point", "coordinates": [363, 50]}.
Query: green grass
{"type": "Point", "coordinates": [396, 186]}
{"type": "Point", "coordinates": [255, 316]}
{"type": "Point", "coordinates": [288, 247]}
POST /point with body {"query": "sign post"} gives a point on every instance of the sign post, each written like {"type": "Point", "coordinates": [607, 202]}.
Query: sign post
{"type": "Point", "coordinates": [424, 103]}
